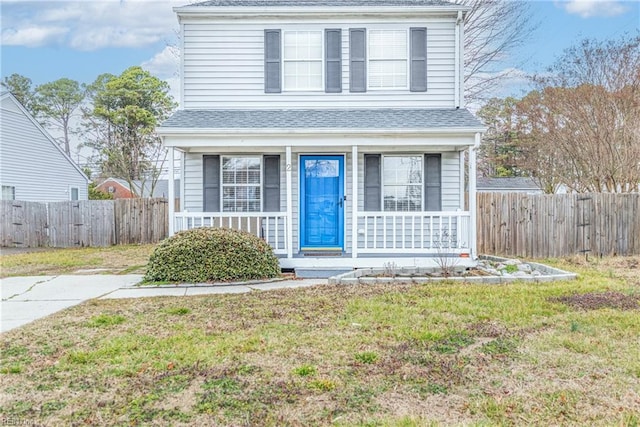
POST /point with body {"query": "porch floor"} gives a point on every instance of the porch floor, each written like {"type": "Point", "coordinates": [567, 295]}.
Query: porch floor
{"type": "Point", "coordinates": [346, 262]}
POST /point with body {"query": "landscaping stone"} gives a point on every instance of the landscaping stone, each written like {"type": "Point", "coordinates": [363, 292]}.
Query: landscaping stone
{"type": "Point", "coordinates": [489, 269]}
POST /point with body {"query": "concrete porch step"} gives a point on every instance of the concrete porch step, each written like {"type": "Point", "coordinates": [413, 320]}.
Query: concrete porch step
{"type": "Point", "coordinates": [319, 273]}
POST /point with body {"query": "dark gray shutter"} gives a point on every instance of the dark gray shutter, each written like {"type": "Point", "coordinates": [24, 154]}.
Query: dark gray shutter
{"type": "Point", "coordinates": [272, 61]}
{"type": "Point", "coordinates": [432, 182]}
{"type": "Point", "coordinates": [333, 60]}
{"type": "Point", "coordinates": [271, 184]}
{"type": "Point", "coordinates": [211, 181]}
{"type": "Point", "coordinates": [357, 60]}
{"type": "Point", "coordinates": [372, 183]}
{"type": "Point", "coordinates": [418, 60]}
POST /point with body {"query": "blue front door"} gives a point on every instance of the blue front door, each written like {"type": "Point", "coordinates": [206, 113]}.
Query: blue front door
{"type": "Point", "coordinates": [321, 202]}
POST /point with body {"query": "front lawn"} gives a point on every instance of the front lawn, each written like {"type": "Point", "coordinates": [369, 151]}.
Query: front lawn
{"type": "Point", "coordinates": [118, 259]}
{"type": "Point", "coordinates": [440, 353]}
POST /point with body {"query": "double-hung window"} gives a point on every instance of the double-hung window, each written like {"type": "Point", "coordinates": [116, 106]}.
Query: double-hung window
{"type": "Point", "coordinates": [241, 183]}
{"type": "Point", "coordinates": [402, 188]}
{"type": "Point", "coordinates": [388, 59]}
{"type": "Point", "coordinates": [302, 60]}
{"type": "Point", "coordinates": [406, 182]}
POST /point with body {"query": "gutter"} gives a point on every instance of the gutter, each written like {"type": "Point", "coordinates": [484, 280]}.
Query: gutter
{"type": "Point", "coordinates": [170, 131]}
{"type": "Point", "coordinates": [315, 11]}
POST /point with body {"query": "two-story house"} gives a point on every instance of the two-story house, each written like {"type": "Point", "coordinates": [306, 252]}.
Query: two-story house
{"type": "Point", "coordinates": [333, 129]}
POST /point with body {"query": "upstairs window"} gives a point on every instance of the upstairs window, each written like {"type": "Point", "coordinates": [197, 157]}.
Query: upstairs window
{"type": "Point", "coordinates": [302, 60]}
{"type": "Point", "coordinates": [388, 59]}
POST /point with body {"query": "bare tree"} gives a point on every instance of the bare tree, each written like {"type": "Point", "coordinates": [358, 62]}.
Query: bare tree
{"type": "Point", "coordinates": [585, 119]}
{"type": "Point", "coordinates": [493, 29]}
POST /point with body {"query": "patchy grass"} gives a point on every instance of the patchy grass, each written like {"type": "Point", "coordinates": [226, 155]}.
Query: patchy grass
{"type": "Point", "coordinates": [114, 259]}
{"type": "Point", "coordinates": [445, 353]}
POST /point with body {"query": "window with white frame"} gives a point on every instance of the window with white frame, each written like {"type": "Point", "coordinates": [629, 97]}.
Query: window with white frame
{"type": "Point", "coordinates": [302, 60]}
{"type": "Point", "coordinates": [402, 183]}
{"type": "Point", "coordinates": [241, 183]}
{"type": "Point", "coordinates": [8, 192]}
{"type": "Point", "coordinates": [73, 193]}
{"type": "Point", "coordinates": [387, 59]}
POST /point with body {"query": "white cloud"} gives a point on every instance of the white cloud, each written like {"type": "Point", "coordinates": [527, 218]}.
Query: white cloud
{"type": "Point", "coordinates": [507, 82]}
{"type": "Point", "coordinates": [89, 25]}
{"type": "Point", "coordinates": [165, 63]}
{"type": "Point", "coordinates": [592, 8]}
{"type": "Point", "coordinates": [32, 36]}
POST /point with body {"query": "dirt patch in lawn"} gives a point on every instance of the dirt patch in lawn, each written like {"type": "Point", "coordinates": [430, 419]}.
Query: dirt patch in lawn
{"type": "Point", "coordinates": [598, 300]}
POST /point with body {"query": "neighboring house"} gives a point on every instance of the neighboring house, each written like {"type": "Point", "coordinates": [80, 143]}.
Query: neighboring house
{"type": "Point", "coordinates": [333, 129]}
{"type": "Point", "coordinates": [120, 188]}
{"type": "Point", "coordinates": [508, 185]}
{"type": "Point", "coordinates": [33, 167]}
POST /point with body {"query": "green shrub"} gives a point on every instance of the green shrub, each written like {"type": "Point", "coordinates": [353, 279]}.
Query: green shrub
{"type": "Point", "coordinates": [211, 255]}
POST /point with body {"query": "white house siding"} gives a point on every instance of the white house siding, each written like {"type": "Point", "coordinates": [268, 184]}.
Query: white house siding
{"type": "Point", "coordinates": [30, 162]}
{"type": "Point", "coordinates": [223, 67]}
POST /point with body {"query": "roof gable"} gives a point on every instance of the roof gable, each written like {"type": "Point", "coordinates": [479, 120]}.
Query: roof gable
{"type": "Point", "coordinates": [8, 96]}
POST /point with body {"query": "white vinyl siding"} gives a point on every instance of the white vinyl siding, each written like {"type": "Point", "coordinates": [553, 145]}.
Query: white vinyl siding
{"type": "Point", "coordinates": [223, 67]}
{"type": "Point", "coordinates": [31, 163]}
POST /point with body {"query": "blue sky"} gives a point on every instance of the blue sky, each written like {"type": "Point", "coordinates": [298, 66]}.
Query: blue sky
{"type": "Point", "coordinates": [47, 40]}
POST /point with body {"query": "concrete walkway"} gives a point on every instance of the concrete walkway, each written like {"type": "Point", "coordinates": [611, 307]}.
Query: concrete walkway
{"type": "Point", "coordinates": [25, 299]}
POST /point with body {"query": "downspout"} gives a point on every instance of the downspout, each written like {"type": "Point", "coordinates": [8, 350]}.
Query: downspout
{"type": "Point", "coordinates": [458, 61]}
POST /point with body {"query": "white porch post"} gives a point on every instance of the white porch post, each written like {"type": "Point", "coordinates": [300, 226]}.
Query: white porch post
{"type": "Point", "coordinates": [171, 192]}
{"type": "Point", "coordinates": [461, 169]}
{"type": "Point", "coordinates": [288, 167]}
{"type": "Point", "coordinates": [472, 198]}
{"type": "Point", "coordinates": [354, 201]}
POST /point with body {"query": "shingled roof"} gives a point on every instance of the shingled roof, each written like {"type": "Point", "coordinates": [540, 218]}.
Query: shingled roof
{"type": "Point", "coordinates": [371, 119]}
{"type": "Point", "coordinates": [321, 3]}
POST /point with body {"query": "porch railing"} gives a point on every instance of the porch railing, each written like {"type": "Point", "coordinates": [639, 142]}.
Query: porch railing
{"type": "Point", "coordinates": [270, 226]}
{"type": "Point", "coordinates": [437, 232]}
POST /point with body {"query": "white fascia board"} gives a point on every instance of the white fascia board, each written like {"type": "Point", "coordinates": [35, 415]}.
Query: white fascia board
{"type": "Point", "coordinates": [204, 132]}
{"type": "Point", "coordinates": [267, 143]}
{"type": "Point", "coordinates": [311, 11]}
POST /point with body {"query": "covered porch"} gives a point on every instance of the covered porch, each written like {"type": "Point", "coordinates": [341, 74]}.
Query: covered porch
{"type": "Point", "coordinates": [331, 188]}
{"type": "Point", "coordinates": [369, 238]}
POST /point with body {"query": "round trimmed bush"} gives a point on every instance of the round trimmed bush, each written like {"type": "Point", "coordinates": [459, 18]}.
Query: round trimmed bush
{"type": "Point", "coordinates": [211, 255]}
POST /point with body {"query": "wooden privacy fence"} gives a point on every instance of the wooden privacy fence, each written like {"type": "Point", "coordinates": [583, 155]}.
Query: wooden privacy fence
{"type": "Point", "coordinates": [510, 224]}
{"type": "Point", "coordinates": [544, 226]}
{"type": "Point", "coordinates": [83, 223]}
